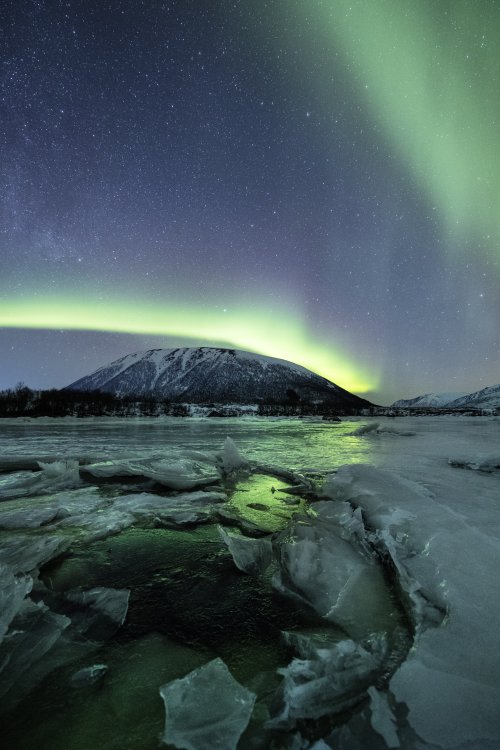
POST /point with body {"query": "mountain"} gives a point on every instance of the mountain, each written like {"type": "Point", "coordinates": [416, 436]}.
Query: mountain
{"type": "Point", "coordinates": [209, 374]}
{"type": "Point", "coordinates": [487, 398]}
{"type": "Point", "coordinates": [432, 400]}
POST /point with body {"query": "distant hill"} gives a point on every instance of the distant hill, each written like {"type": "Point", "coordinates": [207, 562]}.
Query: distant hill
{"type": "Point", "coordinates": [433, 400]}
{"type": "Point", "coordinates": [210, 374]}
{"type": "Point", "coordinates": [486, 398]}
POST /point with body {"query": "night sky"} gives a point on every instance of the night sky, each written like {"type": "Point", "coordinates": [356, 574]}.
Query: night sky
{"type": "Point", "coordinates": [317, 180]}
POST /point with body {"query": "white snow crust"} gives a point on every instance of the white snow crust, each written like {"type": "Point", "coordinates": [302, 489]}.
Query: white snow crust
{"type": "Point", "coordinates": [446, 565]}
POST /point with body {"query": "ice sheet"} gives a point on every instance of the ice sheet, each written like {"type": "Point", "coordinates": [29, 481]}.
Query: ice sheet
{"type": "Point", "coordinates": [448, 682]}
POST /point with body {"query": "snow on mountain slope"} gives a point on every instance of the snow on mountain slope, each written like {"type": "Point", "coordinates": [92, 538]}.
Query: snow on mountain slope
{"type": "Point", "coordinates": [487, 398]}
{"type": "Point", "coordinates": [435, 400]}
{"type": "Point", "coordinates": [210, 374]}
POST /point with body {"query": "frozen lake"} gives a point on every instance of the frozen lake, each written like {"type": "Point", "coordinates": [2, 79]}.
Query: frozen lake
{"type": "Point", "coordinates": [375, 544]}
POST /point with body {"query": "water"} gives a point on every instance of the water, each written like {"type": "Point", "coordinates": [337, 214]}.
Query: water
{"type": "Point", "coordinates": [188, 602]}
{"type": "Point", "coordinates": [294, 444]}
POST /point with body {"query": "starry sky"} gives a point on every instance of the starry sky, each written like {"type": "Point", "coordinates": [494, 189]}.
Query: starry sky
{"type": "Point", "coordinates": [316, 180]}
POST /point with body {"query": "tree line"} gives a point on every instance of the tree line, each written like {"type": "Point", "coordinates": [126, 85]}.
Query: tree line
{"type": "Point", "coordinates": [22, 401]}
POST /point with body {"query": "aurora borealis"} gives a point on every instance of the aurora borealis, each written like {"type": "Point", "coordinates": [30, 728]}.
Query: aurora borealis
{"type": "Point", "coordinates": [317, 180]}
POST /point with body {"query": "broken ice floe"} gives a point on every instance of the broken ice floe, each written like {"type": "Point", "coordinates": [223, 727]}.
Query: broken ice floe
{"type": "Point", "coordinates": [382, 717]}
{"type": "Point", "coordinates": [110, 603]}
{"type": "Point", "coordinates": [341, 580]}
{"type": "Point", "coordinates": [48, 510]}
{"type": "Point", "coordinates": [488, 464]}
{"type": "Point", "coordinates": [176, 473]}
{"type": "Point", "coordinates": [92, 516]}
{"type": "Point", "coordinates": [34, 633]}
{"type": "Point", "coordinates": [187, 507]}
{"type": "Point", "coordinates": [207, 708]}
{"type": "Point", "coordinates": [327, 680]}
{"type": "Point", "coordinates": [375, 428]}
{"type": "Point", "coordinates": [24, 553]}
{"type": "Point", "coordinates": [40, 639]}
{"type": "Point", "coordinates": [378, 493]}
{"type": "Point", "coordinates": [251, 556]}
{"type": "Point", "coordinates": [13, 590]}
{"type": "Point", "coordinates": [52, 477]}
{"type": "Point", "coordinates": [327, 563]}
{"type": "Point", "coordinates": [230, 458]}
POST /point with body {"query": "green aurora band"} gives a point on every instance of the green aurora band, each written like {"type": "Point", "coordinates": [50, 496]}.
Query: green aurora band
{"type": "Point", "coordinates": [263, 332]}
{"type": "Point", "coordinates": [429, 71]}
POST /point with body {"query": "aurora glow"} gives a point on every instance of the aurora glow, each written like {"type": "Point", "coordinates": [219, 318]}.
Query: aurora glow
{"type": "Point", "coordinates": [257, 332]}
{"type": "Point", "coordinates": [429, 72]}
{"type": "Point", "coordinates": [316, 180]}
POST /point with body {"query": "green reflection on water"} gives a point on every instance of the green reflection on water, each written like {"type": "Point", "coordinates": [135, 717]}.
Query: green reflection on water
{"type": "Point", "coordinates": [188, 604]}
{"type": "Point", "coordinates": [261, 501]}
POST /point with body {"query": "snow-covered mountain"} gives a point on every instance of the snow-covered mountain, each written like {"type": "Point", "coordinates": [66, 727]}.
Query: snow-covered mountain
{"type": "Point", "coordinates": [433, 400]}
{"type": "Point", "coordinates": [209, 374]}
{"type": "Point", "coordinates": [487, 398]}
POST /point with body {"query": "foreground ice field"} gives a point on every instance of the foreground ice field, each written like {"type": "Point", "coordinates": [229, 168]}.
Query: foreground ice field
{"type": "Point", "coordinates": [250, 583]}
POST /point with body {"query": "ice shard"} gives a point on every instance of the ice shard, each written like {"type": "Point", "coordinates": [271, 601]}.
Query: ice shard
{"type": "Point", "coordinates": [252, 556]}
{"type": "Point", "coordinates": [206, 709]}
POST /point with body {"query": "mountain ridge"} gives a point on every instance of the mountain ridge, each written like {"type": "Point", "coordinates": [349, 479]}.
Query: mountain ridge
{"type": "Point", "coordinates": [215, 374]}
{"type": "Point", "coordinates": [485, 398]}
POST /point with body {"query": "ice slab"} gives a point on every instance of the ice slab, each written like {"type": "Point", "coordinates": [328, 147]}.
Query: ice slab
{"type": "Point", "coordinates": [13, 590]}
{"type": "Point", "coordinates": [52, 477]}
{"type": "Point", "coordinates": [375, 428]}
{"type": "Point", "coordinates": [35, 631]}
{"type": "Point", "coordinates": [446, 564]}
{"type": "Point", "coordinates": [382, 718]}
{"type": "Point", "coordinates": [93, 527]}
{"type": "Point", "coordinates": [390, 430]}
{"type": "Point", "coordinates": [29, 518]}
{"type": "Point", "coordinates": [93, 521]}
{"type": "Point", "coordinates": [176, 473]}
{"type": "Point", "coordinates": [48, 509]}
{"type": "Point", "coordinates": [329, 682]}
{"type": "Point", "coordinates": [325, 566]}
{"type": "Point", "coordinates": [230, 458]}
{"type": "Point", "coordinates": [206, 709]}
{"type": "Point", "coordinates": [366, 429]}
{"type": "Point", "coordinates": [104, 610]}
{"type": "Point", "coordinates": [177, 510]}
{"type": "Point", "coordinates": [252, 556]}
{"type": "Point", "coordinates": [488, 463]}
{"type": "Point", "coordinates": [24, 552]}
